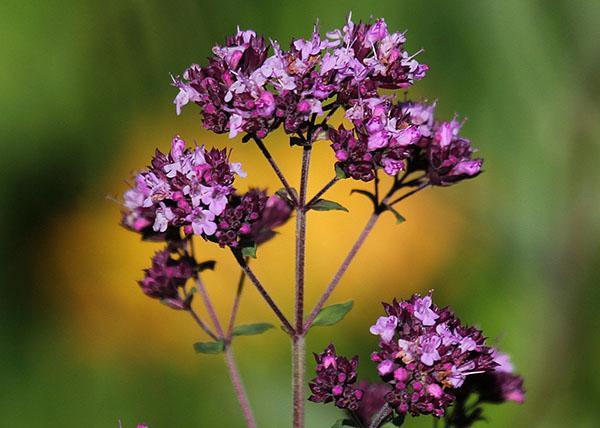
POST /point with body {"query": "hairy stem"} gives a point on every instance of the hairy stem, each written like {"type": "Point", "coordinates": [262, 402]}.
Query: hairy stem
{"type": "Point", "coordinates": [380, 416]}
{"type": "Point", "coordinates": [301, 240]}
{"type": "Point", "coordinates": [298, 351]}
{"type": "Point", "coordinates": [276, 168]}
{"type": "Point", "coordinates": [232, 368]}
{"type": "Point", "coordinates": [238, 386]}
{"type": "Point", "coordinates": [212, 313]}
{"type": "Point", "coordinates": [342, 269]}
{"type": "Point", "coordinates": [298, 369]}
{"type": "Point", "coordinates": [322, 191]}
{"type": "Point", "coordinates": [254, 280]}
{"type": "Point", "coordinates": [236, 302]}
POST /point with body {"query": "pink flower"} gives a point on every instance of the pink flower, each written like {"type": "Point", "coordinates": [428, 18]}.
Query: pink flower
{"type": "Point", "coordinates": [385, 327]}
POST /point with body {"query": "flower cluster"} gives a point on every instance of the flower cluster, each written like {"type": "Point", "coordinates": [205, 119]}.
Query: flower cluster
{"type": "Point", "coordinates": [402, 137]}
{"type": "Point", "coordinates": [250, 219]}
{"type": "Point", "coordinates": [441, 152]}
{"type": "Point", "coordinates": [335, 381]}
{"type": "Point", "coordinates": [167, 276]}
{"type": "Point", "coordinates": [249, 86]}
{"type": "Point", "coordinates": [427, 359]}
{"type": "Point", "coordinates": [185, 188]}
{"type": "Point", "coordinates": [425, 353]}
{"type": "Point", "coordinates": [192, 190]}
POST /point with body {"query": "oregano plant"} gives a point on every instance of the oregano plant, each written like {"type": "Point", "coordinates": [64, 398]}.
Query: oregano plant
{"type": "Point", "coordinates": [428, 361]}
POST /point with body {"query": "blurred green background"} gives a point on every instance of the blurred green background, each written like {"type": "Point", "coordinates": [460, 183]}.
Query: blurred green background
{"type": "Point", "coordinates": [85, 97]}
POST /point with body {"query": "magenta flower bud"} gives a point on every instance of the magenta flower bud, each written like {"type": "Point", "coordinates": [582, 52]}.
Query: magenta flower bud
{"type": "Point", "coordinates": [435, 390]}
{"type": "Point", "coordinates": [328, 361]}
{"type": "Point", "coordinates": [177, 147]}
{"type": "Point", "coordinates": [303, 106]}
{"type": "Point", "coordinates": [401, 374]}
{"type": "Point", "coordinates": [336, 376]}
{"type": "Point", "coordinates": [385, 367]}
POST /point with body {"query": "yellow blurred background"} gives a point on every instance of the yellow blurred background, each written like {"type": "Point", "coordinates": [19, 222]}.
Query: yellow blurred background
{"type": "Point", "coordinates": [86, 99]}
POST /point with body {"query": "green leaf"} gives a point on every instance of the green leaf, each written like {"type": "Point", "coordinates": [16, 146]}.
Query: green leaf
{"type": "Point", "coordinates": [209, 347]}
{"type": "Point", "coordinates": [339, 172]}
{"type": "Point", "coordinates": [249, 251]}
{"type": "Point", "coordinates": [399, 217]}
{"type": "Point", "coordinates": [333, 314]}
{"type": "Point", "coordinates": [325, 205]}
{"type": "Point", "coordinates": [323, 134]}
{"type": "Point", "coordinates": [398, 420]}
{"type": "Point", "coordinates": [209, 264]}
{"type": "Point", "coordinates": [251, 329]}
{"type": "Point", "coordinates": [283, 194]}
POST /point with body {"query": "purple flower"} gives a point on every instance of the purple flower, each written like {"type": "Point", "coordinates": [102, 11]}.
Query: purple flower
{"type": "Point", "coordinates": [202, 222]}
{"type": "Point", "coordinates": [335, 380]}
{"type": "Point", "coordinates": [432, 355]}
{"type": "Point", "coordinates": [450, 156]}
{"type": "Point", "coordinates": [429, 349]}
{"type": "Point", "coordinates": [423, 311]}
{"type": "Point", "coordinates": [385, 367]}
{"type": "Point", "coordinates": [385, 327]}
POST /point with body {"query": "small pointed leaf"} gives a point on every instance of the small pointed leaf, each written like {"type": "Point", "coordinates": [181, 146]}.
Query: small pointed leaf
{"type": "Point", "coordinates": [325, 205]}
{"type": "Point", "coordinates": [399, 217]}
{"type": "Point", "coordinates": [215, 347]}
{"type": "Point", "coordinates": [249, 251]}
{"type": "Point", "coordinates": [333, 314]}
{"type": "Point", "coordinates": [339, 172]}
{"type": "Point", "coordinates": [283, 194]}
{"type": "Point", "coordinates": [251, 329]}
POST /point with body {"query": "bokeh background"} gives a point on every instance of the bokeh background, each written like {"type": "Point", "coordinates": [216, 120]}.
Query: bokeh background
{"type": "Point", "coordinates": [84, 99]}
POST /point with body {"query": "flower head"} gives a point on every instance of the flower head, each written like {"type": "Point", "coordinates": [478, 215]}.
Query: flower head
{"type": "Point", "coordinates": [441, 151]}
{"type": "Point", "coordinates": [239, 220]}
{"type": "Point", "coordinates": [427, 356]}
{"type": "Point", "coordinates": [166, 276]}
{"type": "Point", "coordinates": [183, 189]}
{"type": "Point", "coordinates": [249, 86]}
{"type": "Point", "coordinates": [335, 381]}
